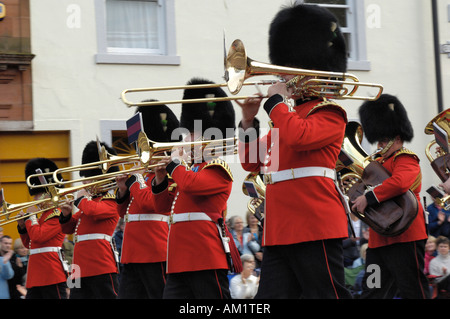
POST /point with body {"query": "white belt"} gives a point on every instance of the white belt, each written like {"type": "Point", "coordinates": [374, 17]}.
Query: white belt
{"type": "Point", "coordinates": [44, 250]}
{"type": "Point", "coordinates": [294, 173]}
{"type": "Point", "coordinates": [187, 217]}
{"type": "Point", "coordinates": [84, 237]}
{"type": "Point", "coordinates": [146, 217]}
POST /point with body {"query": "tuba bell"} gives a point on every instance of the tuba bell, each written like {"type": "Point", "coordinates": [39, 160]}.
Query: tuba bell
{"type": "Point", "coordinates": [254, 187]}
{"type": "Point", "coordinates": [353, 158]}
{"type": "Point", "coordinates": [439, 163]}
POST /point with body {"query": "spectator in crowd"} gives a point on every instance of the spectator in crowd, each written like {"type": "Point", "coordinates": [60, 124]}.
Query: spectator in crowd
{"type": "Point", "coordinates": [437, 219]}
{"type": "Point", "coordinates": [6, 270]}
{"type": "Point", "coordinates": [440, 265]}
{"type": "Point", "coordinates": [19, 262]}
{"type": "Point", "coordinates": [430, 253]}
{"type": "Point", "coordinates": [352, 244]}
{"type": "Point", "coordinates": [254, 243]}
{"type": "Point", "coordinates": [245, 284]}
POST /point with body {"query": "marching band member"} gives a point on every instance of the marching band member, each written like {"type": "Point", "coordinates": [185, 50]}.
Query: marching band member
{"type": "Point", "coordinates": [47, 271]}
{"type": "Point", "coordinates": [199, 243]}
{"type": "Point", "coordinates": [305, 220]}
{"type": "Point", "coordinates": [401, 257]}
{"type": "Point", "coordinates": [144, 247]}
{"type": "Point", "coordinates": [95, 217]}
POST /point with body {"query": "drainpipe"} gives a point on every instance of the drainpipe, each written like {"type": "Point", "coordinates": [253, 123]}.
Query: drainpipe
{"type": "Point", "coordinates": [437, 55]}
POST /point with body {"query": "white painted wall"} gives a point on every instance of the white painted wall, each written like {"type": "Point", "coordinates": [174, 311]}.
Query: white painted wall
{"type": "Point", "coordinates": [71, 91]}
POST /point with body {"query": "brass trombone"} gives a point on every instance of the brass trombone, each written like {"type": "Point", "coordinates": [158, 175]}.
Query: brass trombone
{"type": "Point", "coordinates": [55, 197]}
{"type": "Point", "coordinates": [149, 154]}
{"type": "Point", "coordinates": [238, 68]}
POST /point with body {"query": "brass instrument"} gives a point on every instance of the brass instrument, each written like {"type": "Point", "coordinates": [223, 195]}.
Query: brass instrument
{"type": "Point", "coordinates": [388, 218]}
{"type": "Point", "coordinates": [257, 192]}
{"type": "Point", "coordinates": [441, 162]}
{"type": "Point", "coordinates": [150, 153]}
{"type": "Point", "coordinates": [443, 202]}
{"type": "Point", "coordinates": [333, 85]}
{"type": "Point", "coordinates": [353, 158]}
{"type": "Point", "coordinates": [41, 175]}
{"type": "Point", "coordinates": [238, 68]}
{"type": "Point", "coordinates": [52, 198]}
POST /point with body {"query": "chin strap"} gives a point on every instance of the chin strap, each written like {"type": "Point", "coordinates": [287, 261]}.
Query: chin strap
{"type": "Point", "coordinates": [386, 148]}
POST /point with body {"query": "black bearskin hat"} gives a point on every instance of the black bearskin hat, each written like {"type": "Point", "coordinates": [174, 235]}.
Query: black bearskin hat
{"type": "Point", "coordinates": [309, 37]}
{"type": "Point", "coordinates": [159, 122]}
{"type": "Point", "coordinates": [46, 166]}
{"type": "Point", "coordinates": [385, 118]}
{"type": "Point", "coordinates": [212, 114]}
{"type": "Point", "coordinates": [90, 155]}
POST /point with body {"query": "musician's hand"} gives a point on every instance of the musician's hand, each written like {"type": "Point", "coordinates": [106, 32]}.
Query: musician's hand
{"type": "Point", "coordinates": [21, 222]}
{"type": "Point", "coordinates": [440, 217]}
{"type": "Point", "coordinates": [359, 204]}
{"type": "Point", "coordinates": [279, 88]}
{"type": "Point", "coordinates": [250, 108]}
{"type": "Point", "coordinates": [160, 170]}
{"type": "Point", "coordinates": [66, 208]}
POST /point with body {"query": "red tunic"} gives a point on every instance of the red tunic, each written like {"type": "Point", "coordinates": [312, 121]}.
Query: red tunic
{"type": "Point", "coordinates": [93, 257]}
{"type": "Point", "coordinates": [44, 268]}
{"type": "Point", "coordinates": [144, 241]}
{"type": "Point", "coordinates": [406, 174]}
{"type": "Point", "coordinates": [196, 245]}
{"type": "Point", "coordinates": [309, 208]}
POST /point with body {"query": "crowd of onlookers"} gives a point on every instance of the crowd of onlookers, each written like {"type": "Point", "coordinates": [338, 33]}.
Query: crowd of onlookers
{"type": "Point", "coordinates": [247, 235]}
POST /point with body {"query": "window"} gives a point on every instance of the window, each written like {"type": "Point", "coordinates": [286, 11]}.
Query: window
{"type": "Point", "coordinates": [136, 32]}
{"type": "Point", "coordinates": [350, 14]}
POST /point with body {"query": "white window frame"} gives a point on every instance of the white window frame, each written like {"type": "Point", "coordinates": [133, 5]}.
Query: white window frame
{"type": "Point", "coordinates": [356, 27]}
{"type": "Point", "coordinates": [138, 56]}
{"type": "Point", "coordinates": [107, 126]}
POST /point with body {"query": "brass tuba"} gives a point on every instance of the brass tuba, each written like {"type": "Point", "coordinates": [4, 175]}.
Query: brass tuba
{"type": "Point", "coordinates": [254, 187]}
{"type": "Point", "coordinates": [439, 163]}
{"type": "Point", "coordinates": [363, 173]}
{"type": "Point", "coordinates": [353, 158]}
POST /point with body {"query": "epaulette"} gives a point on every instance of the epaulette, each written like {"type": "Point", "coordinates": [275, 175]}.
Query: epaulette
{"type": "Point", "coordinates": [327, 102]}
{"type": "Point", "coordinates": [405, 151]}
{"type": "Point", "coordinates": [109, 195]}
{"type": "Point", "coordinates": [221, 163]}
{"type": "Point", "coordinates": [418, 180]}
{"type": "Point", "coordinates": [56, 212]}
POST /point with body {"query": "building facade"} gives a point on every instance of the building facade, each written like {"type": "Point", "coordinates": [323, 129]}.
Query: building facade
{"type": "Point", "coordinates": [65, 63]}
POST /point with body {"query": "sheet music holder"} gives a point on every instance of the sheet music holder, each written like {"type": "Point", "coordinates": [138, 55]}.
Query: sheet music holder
{"type": "Point", "coordinates": [441, 137]}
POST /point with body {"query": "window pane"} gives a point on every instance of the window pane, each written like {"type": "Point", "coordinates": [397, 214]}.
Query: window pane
{"type": "Point", "coordinates": [340, 13]}
{"type": "Point", "coordinates": [132, 24]}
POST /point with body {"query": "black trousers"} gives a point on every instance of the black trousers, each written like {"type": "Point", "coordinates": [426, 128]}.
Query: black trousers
{"type": "Point", "coordinates": [96, 287]}
{"type": "Point", "coordinates": [204, 284]}
{"type": "Point", "coordinates": [142, 281]}
{"type": "Point", "coordinates": [396, 270]}
{"type": "Point", "coordinates": [56, 291]}
{"type": "Point", "coordinates": [310, 270]}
